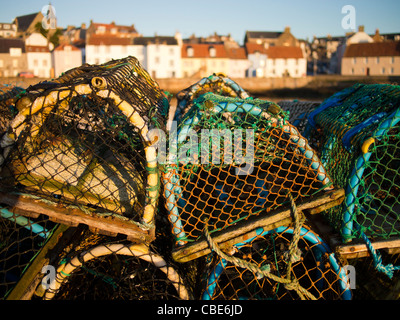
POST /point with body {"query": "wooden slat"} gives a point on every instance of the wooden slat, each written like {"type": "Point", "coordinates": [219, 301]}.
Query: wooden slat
{"type": "Point", "coordinates": [246, 229]}
{"type": "Point", "coordinates": [109, 225]}
{"type": "Point", "coordinates": [360, 250]}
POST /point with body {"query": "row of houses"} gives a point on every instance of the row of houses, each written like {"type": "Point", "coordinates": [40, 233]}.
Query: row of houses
{"type": "Point", "coordinates": [170, 57]}
{"type": "Point", "coordinates": [356, 53]}
{"type": "Point", "coordinates": [264, 53]}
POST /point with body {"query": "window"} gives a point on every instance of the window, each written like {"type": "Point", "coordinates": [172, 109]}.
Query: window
{"type": "Point", "coordinates": [157, 60]}
{"type": "Point", "coordinates": [171, 51]}
{"type": "Point", "coordinates": [366, 60]}
{"type": "Point", "coordinates": [171, 63]}
{"type": "Point", "coordinates": [44, 63]}
{"type": "Point", "coordinates": [1, 63]}
{"type": "Point", "coordinates": [15, 52]}
{"type": "Point", "coordinates": [15, 63]}
{"type": "Point", "coordinates": [190, 52]}
{"type": "Point", "coordinates": [391, 70]}
{"type": "Point", "coordinates": [383, 70]}
{"type": "Point", "coordinates": [392, 59]}
{"type": "Point", "coordinates": [354, 60]}
{"type": "Point", "coordinates": [377, 59]}
{"type": "Point", "coordinates": [212, 51]}
{"type": "Point", "coordinates": [35, 63]}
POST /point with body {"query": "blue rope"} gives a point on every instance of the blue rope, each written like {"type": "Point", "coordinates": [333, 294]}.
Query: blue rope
{"type": "Point", "coordinates": [388, 269]}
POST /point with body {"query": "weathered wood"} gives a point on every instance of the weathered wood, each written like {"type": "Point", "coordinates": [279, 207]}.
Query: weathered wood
{"type": "Point", "coordinates": [110, 225]}
{"type": "Point", "coordinates": [246, 229]}
{"type": "Point", "coordinates": [359, 250]}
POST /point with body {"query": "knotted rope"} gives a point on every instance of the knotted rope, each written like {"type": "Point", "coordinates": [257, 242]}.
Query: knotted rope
{"type": "Point", "coordinates": [264, 271]}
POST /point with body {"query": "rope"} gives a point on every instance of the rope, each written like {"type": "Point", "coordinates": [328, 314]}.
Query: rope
{"type": "Point", "coordinates": [388, 269]}
{"type": "Point", "coordinates": [264, 271]}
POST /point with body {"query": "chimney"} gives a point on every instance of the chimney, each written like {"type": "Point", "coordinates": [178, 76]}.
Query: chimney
{"type": "Point", "coordinates": [287, 30]}
{"type": "Point", "coordinates": [377, 37]}
{"type": "Point", "coordinates": [361, 29]}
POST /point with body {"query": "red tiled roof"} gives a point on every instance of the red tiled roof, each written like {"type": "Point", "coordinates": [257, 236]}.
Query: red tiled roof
{"type": "Point", "coordinates": [254, 47]}
{"type": "Point", "coordinates": [109, 26]}
{"type": "Point", "coordinates": [283, 52]}
{"type": "Point", "coordinates": [108, 40]}
{"type": "Point", "coordinates": [237, 53]}
{"type": "Point", "coordinates": [202, 50]}
{"type": "Point", "coordinates": [63, 46]}
{"type": "Point", "coordinates": [374, 49]}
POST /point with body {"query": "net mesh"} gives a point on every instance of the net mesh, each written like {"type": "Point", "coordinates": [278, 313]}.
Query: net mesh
{"type": "Point", "coordinates": [82, 140]}
{"type": "Point", "coordinates": [314, 269]}
{"type": "Point", "coordinates": [358, 139]}
{"type": "Point", "coordinates": [235, 158]}
{"type": "Point", "coordinates": [102, 269]}
{"type": "Point", "coordinates": [216, 83]}
{"type": "Point", "coordinates": [21, 239]}
{"type": "Point", "coordinates": [298, 112]}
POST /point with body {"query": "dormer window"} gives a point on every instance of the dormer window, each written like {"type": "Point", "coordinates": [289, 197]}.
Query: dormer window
{"type": "Point", "coordinates": [190, 51]}
{"type": "Point", "coordinates": [212, 52]}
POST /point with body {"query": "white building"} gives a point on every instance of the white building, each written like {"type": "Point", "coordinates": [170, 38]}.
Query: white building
{"type": "Point", "coordinates": [39, 56]}
{"type": "Point", "coordinates": [162, 56]}
{"type": "Point", "coordinates": [275, 61]}
{"type": "Point", "coordinates": [8, 30]}
{"type": "Point", "coordinates": [238, 62]}
{"type": "Point", "coordinates": [66, 57]}
{"type": "Point", "coordinates": [257, 56]}
{"type": "Point", "coordinates": [286, 62]}
{"type": "Point", "coordinates": [100, 49]}
{"type": "Point", "coordinates": [358, 37]}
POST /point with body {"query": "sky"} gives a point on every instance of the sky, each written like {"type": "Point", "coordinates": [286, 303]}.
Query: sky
{"type": "Point", "coordinates": [306, 18]}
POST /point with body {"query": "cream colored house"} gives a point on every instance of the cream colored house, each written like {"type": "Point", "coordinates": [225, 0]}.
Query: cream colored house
{"type": "Point", "coordinates": [372, 59]}
{"type": "Point", "coordinates": [66, 57]}
{"type": "Point", "coordinates": [202, 60]}
{"type": "Point", "coordinates": [12, 57]}
{"type": "Point", "coordinates": [39, 56]}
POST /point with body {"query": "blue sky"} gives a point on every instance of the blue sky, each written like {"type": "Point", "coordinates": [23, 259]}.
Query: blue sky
{"type": "Point", "coordinates": [164, 17]}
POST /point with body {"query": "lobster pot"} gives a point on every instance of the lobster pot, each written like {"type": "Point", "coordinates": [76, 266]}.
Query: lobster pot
{"type": "Point", "coordinates": [8, 96]}
{"type": "Point", "coordinates": [81, 141]}
{"type": "Point", "coordinates": [215, 83]}
{"type": "Point", "coordinates": [315, 269]}
{"type": "Point", "coordinates": [21, 240]}
{"type": "Point", "coordinates": [116, 271]}
{"type": "Point", "coordinates": [298, 111]}
{"type": "Point", "coordinates": [235, 158]}
{"type": "Point", "coordinates": [359, 141]}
